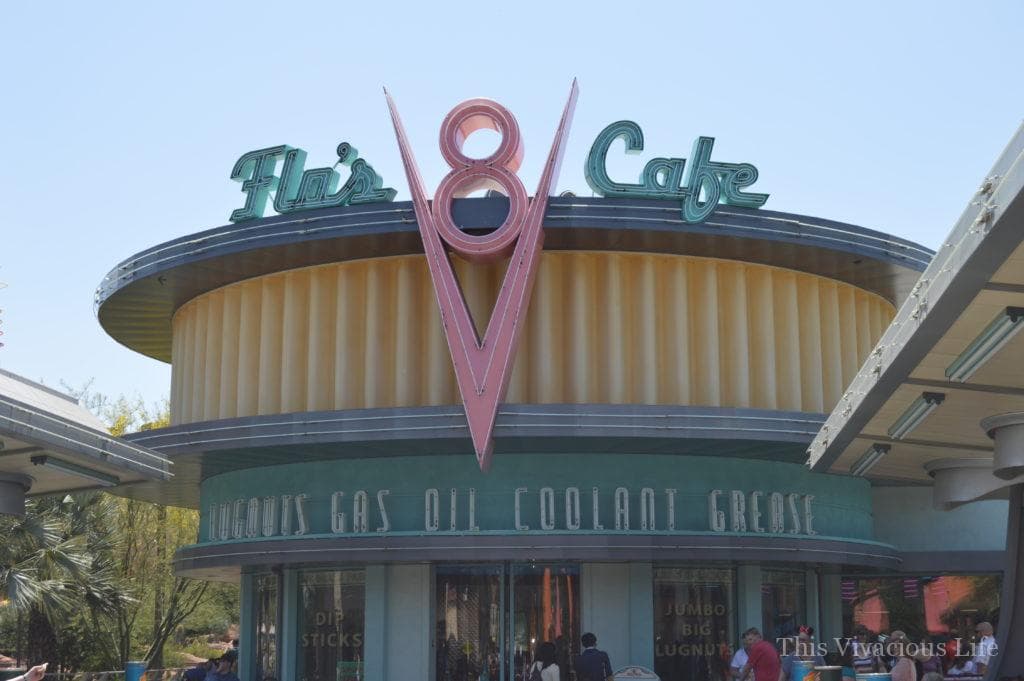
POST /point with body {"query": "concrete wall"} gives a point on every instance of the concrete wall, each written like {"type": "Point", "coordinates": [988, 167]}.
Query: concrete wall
{"type": "Point", "coordinates": [618, 607]}
{"type": "Point", "coordinates": [410, 629]}
{"type": "Point", "coordinates": [904, 517]}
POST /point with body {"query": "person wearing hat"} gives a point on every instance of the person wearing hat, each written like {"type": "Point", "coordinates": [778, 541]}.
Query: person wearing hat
{"type": "Point", "coordinates": [986, 648]}
{"type": "Point", "coordinates": [222, 672]}
{"type": "Point", "coordinates": [903, 669]}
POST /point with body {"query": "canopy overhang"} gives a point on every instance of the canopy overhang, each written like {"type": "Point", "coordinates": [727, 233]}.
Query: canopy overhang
{"type": "Point", "coordinates": [50, 444]}
{"type": "Point", "coordinates": [951, 359]}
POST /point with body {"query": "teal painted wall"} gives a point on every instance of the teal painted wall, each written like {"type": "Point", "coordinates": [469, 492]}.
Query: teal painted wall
{"type": "Point", "coordinates": [376, 623]}
{"type": "Point", "coordinates": [605, 601]}
{"type": "Point", "coordinates": [904, 517]}
{"type": "Point", "coordinates": [410, 627]}
{"type": "Point", "coordinates": [617, 605]}
{"type": "Point", "coordinates": [831, 608]}
{"type": "Point", "coordinates": [749, 600]}
{"type": "Point", "coordinates": [841, 504]}
{"type": "Point", "coordinates": [641, 614]}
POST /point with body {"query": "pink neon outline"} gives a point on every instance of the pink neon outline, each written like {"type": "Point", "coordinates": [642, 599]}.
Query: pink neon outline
{"type": "Point", "coordinates": [483, 367]}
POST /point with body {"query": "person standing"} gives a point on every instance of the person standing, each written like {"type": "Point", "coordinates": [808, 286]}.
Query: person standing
{"type": "Point", "coordinates": [865, 660]}
{"type": "Point", "coordinates": [544, 667]}
{"type": "Point", "coordinates": [200, 671]}
{"type": "Point", "coordinates": [34, 674]}
{"type": "Point", "coordinates": [801, 649]}
{"type": "Point", "coordinates": [903, 669]}
{"type": "Point", "coordinates": [986, 648]}
{"type": "Point", "coordinates": [223, 672]}
{"type": "Point", "coordinates": [593, 664]}
{"type": "Point", "coordinates": [739, 660]}
{"type": "Point", "coordinates": [763, 659]}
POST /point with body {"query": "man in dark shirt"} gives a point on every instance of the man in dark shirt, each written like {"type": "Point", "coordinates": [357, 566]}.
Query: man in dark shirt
{"type": "Point", "coordinates": [763, 659]}
{"type": "Point", "coordinates": [199, 672]}
{"type": "Point", "coordinates": [593, 664]}
{"type": "Point", "coordinates": [223, 672]}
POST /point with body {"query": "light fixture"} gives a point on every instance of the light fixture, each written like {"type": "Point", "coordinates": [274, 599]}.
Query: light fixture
{"type": "Point", "coordinates": [74, 469]}
{"type": "Point", "coordinates": [869, 459]}
{"type": "Point", "coordinates": [997, 334]}
{"type": "Point", "coordinates": [916, 413]}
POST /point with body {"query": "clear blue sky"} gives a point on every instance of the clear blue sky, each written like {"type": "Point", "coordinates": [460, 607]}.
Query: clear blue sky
{"type": "Point", "coordinates": [121, 124]}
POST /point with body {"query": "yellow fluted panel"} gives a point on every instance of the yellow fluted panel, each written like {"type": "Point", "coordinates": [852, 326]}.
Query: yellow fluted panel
{"type": "Point", "coordinates": [649, 334]}
{"type": "Point", "coordinates": [848, 320]}
{"type": "Point", "coordinates": [249, 325]}
{"type": "Point", "coordinates": [407, 314]}
{"type": "Point", "coordinates": [177, 360]}
{"type": "Point", "coordinates": [812, 386]}
{"type": "Point", "coordinates": [786, 327]}
{"type": "Point", "coordinates": [271, 331]}
{"type": "Point", "coordinates": [831, 344]}
{"type": "Point", "coordinates": [350, 337]}
{"type": "Point", "coordinates": [703, 287]}
{"type": "Point", "coordinates": [199, 359]}
{"type": "Point", "coordinates": [212, 353]}
{"type": "Point", "coordinates": [734, 343]}
{"type": "Point", "coordinates": [323, 291]}
{"type": "Point", "coordinates": [602, 327]}
{"type": "Point", "coordinates": [864, 336]}
{"type": "Point", "coordinates": [295, 345]}
{"type": "Point", "coordinates": [879, 321]}
{"type": "Point", "coordinates": [760, 315]}
{"type": "Point", "coordinates": [674, 336]}
{"type": "Point", "coordinates": [227, 401]}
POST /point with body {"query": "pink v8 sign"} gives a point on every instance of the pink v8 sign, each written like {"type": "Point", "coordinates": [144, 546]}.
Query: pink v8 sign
{"type": "Point", "coordinates": [483, 365]}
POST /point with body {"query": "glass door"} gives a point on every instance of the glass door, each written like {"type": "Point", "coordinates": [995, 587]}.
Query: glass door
{"type": "Point", "coordinates": [469, 605]}
{"type": "Point", "coordinates": [545, 609]}
{"type": "Point", "coordinates": [492, 619]}
{"type": "Point", "coordinates": [694, 611]}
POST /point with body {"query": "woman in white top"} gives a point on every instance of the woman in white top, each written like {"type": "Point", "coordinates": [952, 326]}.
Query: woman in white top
{"type": "Point", "coordinates": [544, 664]}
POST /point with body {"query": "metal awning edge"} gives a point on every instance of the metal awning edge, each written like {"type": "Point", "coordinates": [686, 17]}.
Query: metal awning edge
{"type": "Point", "coordinates": [55, 433]}
{"type": "Point", "coordinates": [979, 243]}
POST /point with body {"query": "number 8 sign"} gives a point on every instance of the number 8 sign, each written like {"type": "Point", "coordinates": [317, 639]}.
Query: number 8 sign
{"type": "Point", "coordinates": [483, 365]}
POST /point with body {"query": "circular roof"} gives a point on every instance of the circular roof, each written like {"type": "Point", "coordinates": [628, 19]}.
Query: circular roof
{"type": "Point", "coordinates": [136, 300]}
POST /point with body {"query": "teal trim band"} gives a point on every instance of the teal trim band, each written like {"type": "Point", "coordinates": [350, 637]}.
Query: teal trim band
{"type": "Point", "coordinates": [536, 494]}
{"type": "Point", "coordinates": [539, 533]}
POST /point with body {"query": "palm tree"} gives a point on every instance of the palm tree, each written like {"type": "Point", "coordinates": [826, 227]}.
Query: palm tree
{"type": "Point", "coordinates": [54, 565]}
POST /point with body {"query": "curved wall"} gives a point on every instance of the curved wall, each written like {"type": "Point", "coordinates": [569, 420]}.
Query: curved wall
{"type": "Point", "coordinates": [603, 327]}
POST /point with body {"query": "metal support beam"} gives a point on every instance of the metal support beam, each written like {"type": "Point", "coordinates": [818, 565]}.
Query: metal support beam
{"type": "Point", "coordinates": [1010, 628]}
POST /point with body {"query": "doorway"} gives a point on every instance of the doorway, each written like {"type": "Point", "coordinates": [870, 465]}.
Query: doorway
{"type": "Point", "coordinates": [491, 618]}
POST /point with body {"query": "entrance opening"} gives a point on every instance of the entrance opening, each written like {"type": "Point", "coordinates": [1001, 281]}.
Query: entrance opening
{"type": "Point", "coordinates": [492, 619]}
{"type": "Point", "coordinates": [693, 623]}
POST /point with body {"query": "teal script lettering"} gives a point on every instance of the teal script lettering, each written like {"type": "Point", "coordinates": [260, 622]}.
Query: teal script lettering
{"type": "Point", "coordinates": [708, 182]}
{"type": "Point", "coordinates": [297, 189]}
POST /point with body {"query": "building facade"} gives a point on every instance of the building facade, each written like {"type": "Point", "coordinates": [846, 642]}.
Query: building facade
{"type": "Point", "coordinates": [644, 476]}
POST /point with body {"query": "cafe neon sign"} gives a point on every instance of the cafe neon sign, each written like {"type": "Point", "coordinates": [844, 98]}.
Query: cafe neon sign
{"type": "Point", "coordinates": [707, 182]}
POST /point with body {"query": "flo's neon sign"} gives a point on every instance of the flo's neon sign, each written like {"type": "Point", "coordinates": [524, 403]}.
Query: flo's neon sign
{"type": "Point", "coordinates": [297, 189]}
